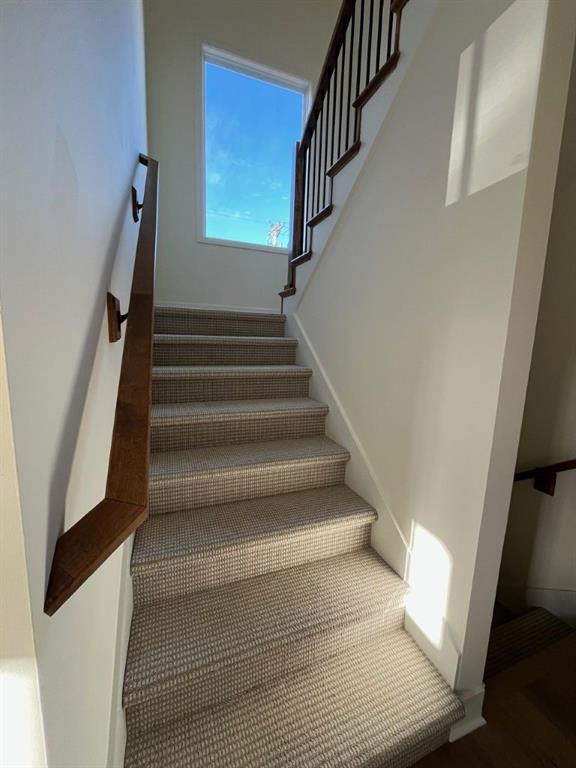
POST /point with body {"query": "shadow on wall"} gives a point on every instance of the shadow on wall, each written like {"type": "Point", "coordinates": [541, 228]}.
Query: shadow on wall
{"type": "Point", "coordinates": [63, 171]}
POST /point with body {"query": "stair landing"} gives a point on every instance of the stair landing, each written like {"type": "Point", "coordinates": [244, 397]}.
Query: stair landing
{"type": "Point", "coordinates": [266, 632]}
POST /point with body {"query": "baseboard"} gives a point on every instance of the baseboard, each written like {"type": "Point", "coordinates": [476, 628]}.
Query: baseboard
{"type": "Point", "coordinates": [220, 307]}
{"type": "Point", "coordinates": [388, 538]}
{"type": "Point", "coordinates": [473, 702]}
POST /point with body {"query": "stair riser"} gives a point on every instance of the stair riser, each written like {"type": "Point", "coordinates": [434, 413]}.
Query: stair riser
{"type": "Point", "coordinates": [177, 435]}
{"type": "Point", "coordinates": [190, 574]}
{"type": "Point", "coordinates": [200, 689]}
{"type": "Point", "coordinates": [171, 495]}
{"type": "Point", "coordinates": [223, 354]}
{"type": "Point", "coordinates": [188, 389]}
{"type": "Point", "coordinates": [190, 324]}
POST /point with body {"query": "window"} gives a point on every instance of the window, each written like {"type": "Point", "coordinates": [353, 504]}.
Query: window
{"type": "Point", "coordinates": [252, 120]}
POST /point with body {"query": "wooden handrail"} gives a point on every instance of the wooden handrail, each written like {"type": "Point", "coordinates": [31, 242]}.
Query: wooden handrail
{"type": "Point", "coordinates": [89, 542]}
{"type": "Point", "coordinates": [545, 477]}
{"type": "Point", "coordinates": [364, 50]}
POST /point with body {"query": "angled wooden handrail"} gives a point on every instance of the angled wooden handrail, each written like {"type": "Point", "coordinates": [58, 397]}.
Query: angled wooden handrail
{"type": "Point", "coordinates": [89, 542]}
{"type": "Point", "coordinates": [545, 477]}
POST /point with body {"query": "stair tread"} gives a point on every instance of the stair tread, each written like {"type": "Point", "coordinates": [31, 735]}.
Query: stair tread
{"type": "Point", "coordinates": [210, 459]}
{"type": "Point", "coordinates": [195, 338]}
{"type": "Point", "coordinates": [223, 409]}
{"type": "Point", "coordinates": [368, 706]}
{"type": "Point", "coordinates": [202, 532]}
{"type": "Point", "coordinates": [217, 626]}
{"type": "Point", "coordinates": [229, 371]}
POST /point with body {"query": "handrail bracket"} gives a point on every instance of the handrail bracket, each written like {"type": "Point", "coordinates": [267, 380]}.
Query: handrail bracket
{"type": "Point", "coordinates": [115, 317]}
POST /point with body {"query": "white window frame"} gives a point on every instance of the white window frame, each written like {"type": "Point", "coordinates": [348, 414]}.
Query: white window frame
{"type": "Point", "coordinates": [260, 72]}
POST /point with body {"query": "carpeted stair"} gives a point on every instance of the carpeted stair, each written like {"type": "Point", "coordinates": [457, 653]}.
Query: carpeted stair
{"type": "Point", "coordinates": [266, 632]}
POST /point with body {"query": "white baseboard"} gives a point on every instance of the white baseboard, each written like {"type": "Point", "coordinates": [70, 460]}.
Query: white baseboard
{"type": "Point", "coordinates": [388, 538]}
{"type": "Point", "coordinates": [473, 719]}
{"type": "Point", "coordinates": [220, 307]}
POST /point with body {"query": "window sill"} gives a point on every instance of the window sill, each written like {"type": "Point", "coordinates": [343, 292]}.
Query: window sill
{"type": "Point", "coordinates": [242, 246]}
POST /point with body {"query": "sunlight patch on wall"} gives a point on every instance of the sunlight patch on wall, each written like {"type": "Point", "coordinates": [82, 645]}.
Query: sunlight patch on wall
{"type": "Point", "coordinates": [495, 101]}
{"type": "Point", "coordinates": [429, 577]}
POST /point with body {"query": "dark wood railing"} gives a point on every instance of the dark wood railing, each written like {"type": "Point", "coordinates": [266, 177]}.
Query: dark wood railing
{"type": "Point", "coordinates": [86, 545]}
{"type": "Point", "coordinates": [363, 51]}
{"type": "Point", "coordinates": [545, 477]}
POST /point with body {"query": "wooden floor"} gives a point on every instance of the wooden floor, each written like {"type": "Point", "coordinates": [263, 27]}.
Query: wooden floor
{"type": "Point", "coordinates": [531, 714]}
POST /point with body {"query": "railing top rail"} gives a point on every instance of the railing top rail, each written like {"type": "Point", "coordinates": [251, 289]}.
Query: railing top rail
{"type": "Point", "coordinates": [347, 10]}
{"type": "Point", "coordinates": [89, 542]}
{"type": "Point", "coordinates": [562, 466]}
{"type": "Point", "coordinates": [545, 477]}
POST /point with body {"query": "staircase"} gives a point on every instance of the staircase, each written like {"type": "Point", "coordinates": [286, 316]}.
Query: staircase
{"type": "Point", "coordinates": [266, 631]}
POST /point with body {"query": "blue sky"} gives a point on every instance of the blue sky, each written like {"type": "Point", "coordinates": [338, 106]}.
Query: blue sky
{"type": "Point", "coordinates": [251, 127]}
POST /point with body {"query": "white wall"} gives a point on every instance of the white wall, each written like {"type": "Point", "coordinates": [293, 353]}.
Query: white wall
{"type": "Point", "coordinates": [420, 313]}
{"type": "Point", "coordinates": [291, 37]}
{"type": "Point", "coordinates": [73, 122]}
{"type": "Point", "coordinates": [539, 559]}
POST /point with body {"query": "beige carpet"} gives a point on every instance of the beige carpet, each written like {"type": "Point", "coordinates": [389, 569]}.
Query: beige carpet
{"type": "Point", "coordinates": [266, 632]}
